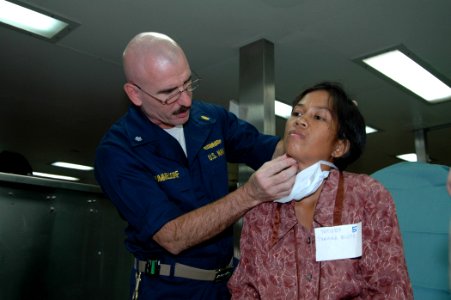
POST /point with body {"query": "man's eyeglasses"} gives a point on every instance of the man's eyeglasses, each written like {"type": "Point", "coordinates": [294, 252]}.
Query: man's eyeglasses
{"type": "Point", "coordinates": [188, 87]}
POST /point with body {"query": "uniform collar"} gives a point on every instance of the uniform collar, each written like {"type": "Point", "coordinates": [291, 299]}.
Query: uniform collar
{"type": "Point", "coordinates": [140, 131]}
{"type": "Point", "coordinates": [197, 129]}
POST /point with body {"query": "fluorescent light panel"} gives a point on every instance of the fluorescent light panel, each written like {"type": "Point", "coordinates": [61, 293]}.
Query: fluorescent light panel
{"type": "Point", "coordinates": [54, 176]}
{"type": "Point", "coordinates": [67, 165]}
{"type": "Point", "coordinates": [411, 157]}
{"type": "Point", "coordinates": [284, 111]}
{"type": "Point", "coordinates": [30, 20]}
{"type": "Point", "coordinates": [405, 71]}
{"type": "Point", "coordinates": [369, 130]}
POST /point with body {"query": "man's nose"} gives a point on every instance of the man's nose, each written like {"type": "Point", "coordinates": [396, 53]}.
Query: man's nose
{"type": "Point", "coordinates": [185, 98]}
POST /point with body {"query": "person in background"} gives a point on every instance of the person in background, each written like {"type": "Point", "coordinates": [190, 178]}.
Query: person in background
{"type": "Point", "coordinates": [164, 167]}
{"type": "Point", "coordinates": [15, 163]}
{"type": "Point", "coordinates": [337, 238]}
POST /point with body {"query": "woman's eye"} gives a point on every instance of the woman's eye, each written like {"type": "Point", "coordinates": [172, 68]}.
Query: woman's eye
{"type": "Point", "coordinates": [296, 114]}
{"type": "Point", "coordinates": [321, 117]}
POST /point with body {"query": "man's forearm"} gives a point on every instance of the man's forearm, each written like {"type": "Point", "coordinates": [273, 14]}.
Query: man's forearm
{"type": "Point", "coordinates": [203, 223]}
{"type": "Point", "coordinates": [272, 181]}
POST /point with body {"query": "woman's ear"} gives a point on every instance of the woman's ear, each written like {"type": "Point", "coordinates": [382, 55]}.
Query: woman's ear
{"type": "Point", "coordinates": [341, 148]}
{"type": "Point", "coordinates": [132, 93]}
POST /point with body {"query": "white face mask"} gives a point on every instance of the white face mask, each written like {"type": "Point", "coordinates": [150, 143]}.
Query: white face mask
{"type": "Point", "coordinates": [307, 182]}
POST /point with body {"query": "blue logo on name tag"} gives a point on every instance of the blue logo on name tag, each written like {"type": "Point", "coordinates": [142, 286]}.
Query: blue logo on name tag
{"type": "Point", "coordinates": [354, 228]}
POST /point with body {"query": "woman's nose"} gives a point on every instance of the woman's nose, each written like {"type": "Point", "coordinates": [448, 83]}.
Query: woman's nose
{"type": "Point", "coordinates": [301, 120]}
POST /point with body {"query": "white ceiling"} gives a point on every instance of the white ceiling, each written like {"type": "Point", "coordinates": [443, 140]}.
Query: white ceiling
{"type": "Point", "coordinates": [57, 99]}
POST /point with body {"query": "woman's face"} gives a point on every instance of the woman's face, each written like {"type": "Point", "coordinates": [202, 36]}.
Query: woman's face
{"type": "Point", "coordinates": [311, 131]}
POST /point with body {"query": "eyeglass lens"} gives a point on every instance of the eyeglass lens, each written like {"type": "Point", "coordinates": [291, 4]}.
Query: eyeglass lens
{"type": "Point", "coordinates": [189, 87]}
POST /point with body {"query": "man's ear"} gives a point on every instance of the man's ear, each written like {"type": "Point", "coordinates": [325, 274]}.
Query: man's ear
{"type": "Point", "coordinates": [341, 148]}
{"type": "Point", "coordinates": [132, 93]}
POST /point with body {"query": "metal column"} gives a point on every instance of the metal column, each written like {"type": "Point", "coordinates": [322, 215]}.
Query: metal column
{"type": "Point", "coordinates": [256, 100]}
{"type": "Point", "coordinates": [257, 90]}
{"type": "Point", "coordinates": [421, 145]}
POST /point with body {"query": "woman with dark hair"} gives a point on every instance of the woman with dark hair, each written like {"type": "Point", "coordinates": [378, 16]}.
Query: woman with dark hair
{"type": "Point", "coordinates": [336, 236]}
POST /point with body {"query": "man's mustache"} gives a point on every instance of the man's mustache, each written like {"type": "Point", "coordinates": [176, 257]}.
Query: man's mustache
{"type": "Point", "coordinates": [182, 109]}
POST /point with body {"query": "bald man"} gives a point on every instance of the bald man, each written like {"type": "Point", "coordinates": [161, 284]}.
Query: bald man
{"type": "Point", "coordinates": [164, 167]}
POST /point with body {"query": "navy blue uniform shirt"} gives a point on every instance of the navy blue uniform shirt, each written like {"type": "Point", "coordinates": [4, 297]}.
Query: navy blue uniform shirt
{"type": "Point", "coordinates": [150, 180]}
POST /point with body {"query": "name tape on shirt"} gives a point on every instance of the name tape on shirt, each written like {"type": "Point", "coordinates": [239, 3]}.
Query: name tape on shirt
{"type": "Point", "coordinates": [214, 154]}
{"type": "Point", "coordinates": [167, 176]}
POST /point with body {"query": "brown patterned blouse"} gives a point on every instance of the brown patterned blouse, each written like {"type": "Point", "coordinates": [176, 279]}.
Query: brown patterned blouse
{"type": "Point", "coordinates": [278, 254]}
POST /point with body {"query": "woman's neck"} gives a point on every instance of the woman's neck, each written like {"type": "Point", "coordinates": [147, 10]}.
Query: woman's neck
{"type": "Point", "coordinates": [304, 165]}
{"type": "Point", "coordinates": [305, 209]}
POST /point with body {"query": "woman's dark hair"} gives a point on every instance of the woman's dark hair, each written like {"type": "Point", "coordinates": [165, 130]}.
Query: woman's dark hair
{"type": "Point", "coordinates": [351, 124]}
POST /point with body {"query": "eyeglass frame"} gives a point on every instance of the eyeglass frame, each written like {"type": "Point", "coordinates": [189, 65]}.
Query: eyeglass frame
{"type": "Point", "coordinates": [188, 87]}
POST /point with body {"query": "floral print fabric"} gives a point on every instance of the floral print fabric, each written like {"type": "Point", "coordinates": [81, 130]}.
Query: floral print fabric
{"type": "Point", "coordinates": [278, 254]}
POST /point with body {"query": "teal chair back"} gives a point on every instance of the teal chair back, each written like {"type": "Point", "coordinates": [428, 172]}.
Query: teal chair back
{"type": "Point", "coordinates": [424, 210]}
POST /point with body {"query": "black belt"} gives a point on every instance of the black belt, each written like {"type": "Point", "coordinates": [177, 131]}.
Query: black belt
{"type": "Point", "coordinates": [155, 268]}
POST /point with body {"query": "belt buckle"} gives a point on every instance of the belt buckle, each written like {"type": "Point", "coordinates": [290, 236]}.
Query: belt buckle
{"type": "Point", "coordinates": [223, 274]}
{"type": "Point", "coordinates": [152, 267]}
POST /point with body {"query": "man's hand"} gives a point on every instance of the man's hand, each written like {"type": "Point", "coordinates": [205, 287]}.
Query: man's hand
{"type": "Point", "coordinates": [273, 180]}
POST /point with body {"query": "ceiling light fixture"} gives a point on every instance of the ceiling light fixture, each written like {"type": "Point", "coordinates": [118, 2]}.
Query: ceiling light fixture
{"type": "Point", "coordinates": [401, 68]}
{"type": "Point", "coordinates": [369, 130]}
{"type": "Point", "coordinates": [54, 176]}
{"type": "Point", "coordinates": [33, 20]}
{"type": "Point", "coordinates": [282, 110]}
{"type": "Point", "coordinates": [67, 165]}
{"type": "Point", "coordinates": [411, 157]}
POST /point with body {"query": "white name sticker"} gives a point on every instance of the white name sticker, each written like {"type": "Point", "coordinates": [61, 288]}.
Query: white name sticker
{"type": "Point", "coordinates": [338, 242]}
